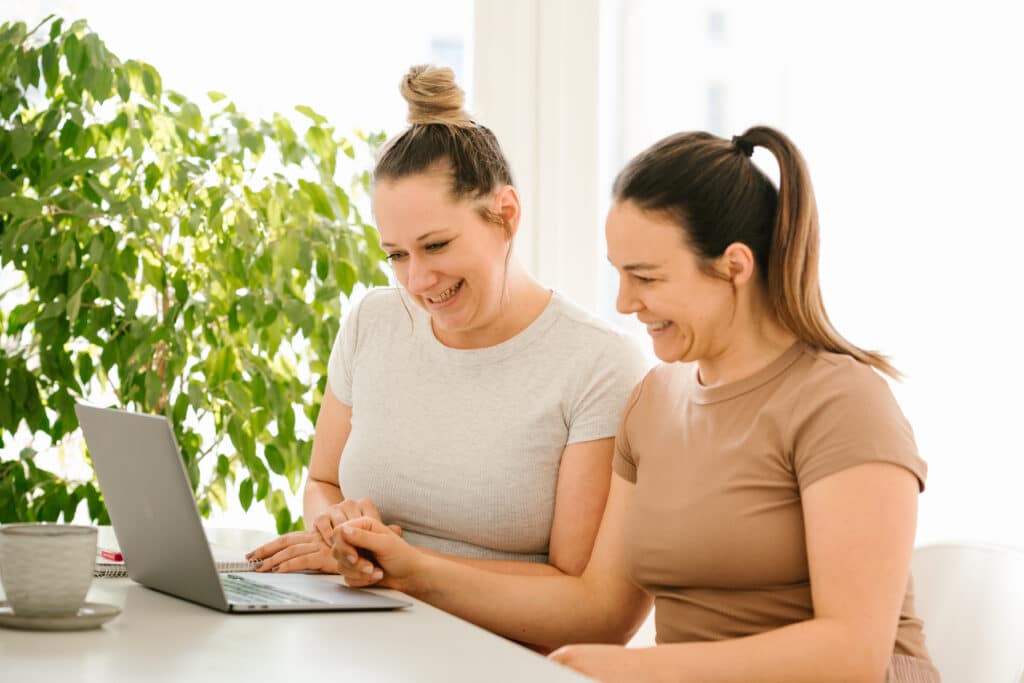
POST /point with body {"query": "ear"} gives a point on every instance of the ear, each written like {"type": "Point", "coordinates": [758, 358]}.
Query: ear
{"type": "Point", "coordinates": [738, 263]}
{"type": "Point", "coordinates": [506, 204]}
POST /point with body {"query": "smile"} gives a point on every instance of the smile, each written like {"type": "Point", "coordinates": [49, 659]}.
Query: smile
{"type": "Point", "coordinates": [446, 294]}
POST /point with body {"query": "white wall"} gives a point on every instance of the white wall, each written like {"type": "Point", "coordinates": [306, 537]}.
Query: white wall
{"type": "Point", "coordinates": [908, 115]}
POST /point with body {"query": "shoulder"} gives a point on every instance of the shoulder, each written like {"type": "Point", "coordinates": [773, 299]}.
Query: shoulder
{"type": "Point", "coordinates": [378, 301]}
{"type": "Point", "coordinates": [582, 329]}
{"type": "Point", "coordinates": [376, 313]}
{"type": "Point", "coordinates": [379, 307]}
{"type": "Point", "coordinates": [837, 376]}
{"type": "Point", "coordinates": [837, 394]}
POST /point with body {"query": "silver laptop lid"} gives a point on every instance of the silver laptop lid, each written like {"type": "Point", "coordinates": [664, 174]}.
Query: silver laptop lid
{"type": "Point", "coordinates": [150, 502]}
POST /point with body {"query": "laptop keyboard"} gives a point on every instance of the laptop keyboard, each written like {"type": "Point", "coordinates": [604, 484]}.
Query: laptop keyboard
{"type": "Point", "coordinates": [243, 591]}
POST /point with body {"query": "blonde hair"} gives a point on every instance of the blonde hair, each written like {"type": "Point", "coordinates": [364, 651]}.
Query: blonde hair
{"type": "Point", "coordinates": [434, 97]}
{"type": "Point", "coordinates": [718, 196]}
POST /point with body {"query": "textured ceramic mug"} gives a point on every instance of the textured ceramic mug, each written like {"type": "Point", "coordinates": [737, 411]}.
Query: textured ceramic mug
{"type": "Point", "coordinates": [46, 569]}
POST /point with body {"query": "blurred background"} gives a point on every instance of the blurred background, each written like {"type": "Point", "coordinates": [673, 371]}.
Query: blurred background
{"type": "Point", "coordinates": [908, 114]}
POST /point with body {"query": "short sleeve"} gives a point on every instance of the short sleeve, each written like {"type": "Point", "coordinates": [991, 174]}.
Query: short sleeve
{"type": "Point", "coordinates": [623, 462]}
{"type": "Point", "coordinates": [851, 418]}
{"type": "Point", "coordinates": [596, 407]}
{"type": "Point", "coordinates": [342, 359]}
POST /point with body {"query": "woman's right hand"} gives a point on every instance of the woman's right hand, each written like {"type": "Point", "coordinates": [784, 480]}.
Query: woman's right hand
{"type": "Point", "coordinates": [397, 561]}
{"type": "Point", "coordinates": [357, 567]}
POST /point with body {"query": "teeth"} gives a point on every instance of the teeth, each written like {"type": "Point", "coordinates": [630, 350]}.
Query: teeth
{"type": "Point", "coordinates": [445, 295]}
{"type": "Point", "coordinates": [654, 327]}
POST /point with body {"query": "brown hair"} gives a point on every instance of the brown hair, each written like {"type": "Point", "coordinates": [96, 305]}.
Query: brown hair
{"type": "Point", "coordinates": [441, 135]}
{"type": "Point", "coordinates": [711, 188]}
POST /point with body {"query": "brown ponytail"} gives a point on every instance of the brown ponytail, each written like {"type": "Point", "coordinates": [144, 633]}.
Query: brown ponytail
{"type": "Point", "coordinates": [718, 196]}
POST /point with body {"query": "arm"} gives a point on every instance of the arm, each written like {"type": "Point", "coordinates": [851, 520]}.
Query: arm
{"type": "Point", "coordinates": [860, 533]}
{"type": "Point", "coordinates": [602, 605]}
{"type": "Point", "coordinates": [333, 425]}
{"type": "Point", "coordinates": [584, 477]}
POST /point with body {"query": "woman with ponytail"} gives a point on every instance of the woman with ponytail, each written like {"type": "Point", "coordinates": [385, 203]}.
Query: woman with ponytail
{"type": "Point", "coordinates": [471, 408]}
{"type": "Point", "coordinates": [765, 489]}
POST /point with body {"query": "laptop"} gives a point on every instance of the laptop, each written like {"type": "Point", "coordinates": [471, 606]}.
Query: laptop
{"type": "Point", "coordinates": [144, 482]}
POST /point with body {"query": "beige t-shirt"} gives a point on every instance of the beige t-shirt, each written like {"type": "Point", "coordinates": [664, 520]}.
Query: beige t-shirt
{"type": "Point", "coordinates": [719, 532]}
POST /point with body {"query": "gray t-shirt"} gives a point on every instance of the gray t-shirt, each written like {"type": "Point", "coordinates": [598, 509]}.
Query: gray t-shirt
{"type": "Point", "coordinates": [461, 447]}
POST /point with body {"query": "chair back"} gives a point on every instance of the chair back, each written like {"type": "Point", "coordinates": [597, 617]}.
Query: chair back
{"type": "Point", "coordinates": [971, 599]}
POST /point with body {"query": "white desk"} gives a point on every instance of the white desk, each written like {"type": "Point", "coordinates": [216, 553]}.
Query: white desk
{"type": "Point", "coordinates": [160, 638]}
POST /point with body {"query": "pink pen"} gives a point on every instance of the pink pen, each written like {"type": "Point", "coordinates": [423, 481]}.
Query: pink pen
{"type": "Point", "coordinates": [112, 555]}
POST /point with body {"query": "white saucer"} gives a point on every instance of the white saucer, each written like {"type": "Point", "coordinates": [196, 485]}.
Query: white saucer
{"type": "Point", "coordinates": [90, 615]}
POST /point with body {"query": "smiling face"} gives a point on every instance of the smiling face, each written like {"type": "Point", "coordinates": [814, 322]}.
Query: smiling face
{"type": "Point", "coordinates": [688, 312]}
{"type": "Point", "coordinates": [450, 259]}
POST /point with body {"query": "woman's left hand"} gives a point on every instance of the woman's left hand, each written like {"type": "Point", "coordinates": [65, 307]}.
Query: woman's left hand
{"type": "Point", "coordinates": [608, 663]}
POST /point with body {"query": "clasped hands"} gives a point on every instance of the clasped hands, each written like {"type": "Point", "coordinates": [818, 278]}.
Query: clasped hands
{"type": "Point", "coordinates": [326, 548]}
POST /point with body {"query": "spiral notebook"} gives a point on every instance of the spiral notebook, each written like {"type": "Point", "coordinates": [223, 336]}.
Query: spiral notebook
{"type": "Point", "coordinates": [225, 559]}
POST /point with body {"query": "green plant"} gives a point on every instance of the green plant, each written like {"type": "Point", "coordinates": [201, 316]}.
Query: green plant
{"type": "Point", "coordinates": [183, 262]}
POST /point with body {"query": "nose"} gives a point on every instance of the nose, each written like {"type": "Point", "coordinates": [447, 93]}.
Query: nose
{"type": "Point", "coordinates": [420, 279]}
{"type": "Point", "coordinates": [626, 301]}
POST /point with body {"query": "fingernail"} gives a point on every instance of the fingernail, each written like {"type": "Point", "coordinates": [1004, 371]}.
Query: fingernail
{"type": "Point", "coordinates": [366, 569]}
{"type": "Point", "coordinates": [351, 559]}
{"type": "Point", "coordinates": [276, 567]}
{"type": "Point", "coordinates": [378, 575]}
{"type": "Point", "coordinates": [347, 530]}
{"type": "Point", "coordinates": [248, 556]}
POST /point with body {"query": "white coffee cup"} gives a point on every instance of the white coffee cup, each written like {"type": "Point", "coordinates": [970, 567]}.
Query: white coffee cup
{"type": "Point", "coordinates": [46, 569]}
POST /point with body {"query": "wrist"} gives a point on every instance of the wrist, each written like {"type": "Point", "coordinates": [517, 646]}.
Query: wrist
{"type": "Point", "coordinates": [420, 580]}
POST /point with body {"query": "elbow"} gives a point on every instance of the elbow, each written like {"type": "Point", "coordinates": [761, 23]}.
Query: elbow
{"type": "Point", "coordinates": [864, 661]}
{"type": "Point", "coordinates": [622, 623]}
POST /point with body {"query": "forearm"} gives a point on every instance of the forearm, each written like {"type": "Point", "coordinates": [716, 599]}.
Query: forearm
{"type": "Point", "coordinates": [542, 610]}
{"type": "Point", "coordinates": [501, 566]}
{"type": "Point", "coordinates": [815, 651]}
{"type": "Point", "coordinates": [317, 497]}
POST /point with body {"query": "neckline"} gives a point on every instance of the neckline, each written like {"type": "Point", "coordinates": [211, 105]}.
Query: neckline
{"type": "Point", "coordinates": [501, 350]}
{"type": "Point", "coordinates": [724, 392]}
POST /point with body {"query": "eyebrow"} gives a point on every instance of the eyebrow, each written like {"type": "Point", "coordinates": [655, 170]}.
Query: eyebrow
{"type": "Point", "coordinates": [418, 239]}
{"type": "Point", "coordinates": [632, 267]}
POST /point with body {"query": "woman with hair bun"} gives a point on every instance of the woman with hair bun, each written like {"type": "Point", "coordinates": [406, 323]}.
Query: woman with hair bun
{"type": "Point", "coordinates": [471, 408]}
{"type": "Point", "coordinates": [765, 488]}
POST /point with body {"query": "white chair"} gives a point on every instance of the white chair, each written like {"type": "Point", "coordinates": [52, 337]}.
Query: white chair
{"type": "Point", "coordinates": [971, 598]}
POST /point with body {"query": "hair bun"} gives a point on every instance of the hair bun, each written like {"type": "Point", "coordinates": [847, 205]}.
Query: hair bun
{"type": "Point", "coordinates": [434, 97]}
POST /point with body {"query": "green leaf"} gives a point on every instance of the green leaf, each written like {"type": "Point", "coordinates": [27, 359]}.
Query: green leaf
{"type": "Point", "coordinates": [310, 114]}
{"type": "Point", "coordinates": [21, 142]}
{"type": "Point", "coordinates": [237, 395]}
{"type": "Point", "coordinates": [245, 493]}
{"type": "Point", "coordinates": [74, 305]}
{"type": "Point", "coordinates": [51, 66]}
{"type": "Point", "coordinates": [151, 81]}
{"type": "Point", "coordinates": [152, 177]}
{"type": "Point", "coordinates": [20, 207]}
{"type": "Point", "coordinates": [274, 459]}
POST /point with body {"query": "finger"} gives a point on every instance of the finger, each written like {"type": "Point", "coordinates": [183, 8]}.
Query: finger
{"type": "Point", "coordinates": [368, 508]}
{"type": "Point", "coordinates": [287, 554]}
{"type": "Point", "coordinates": [324, 527]}
{"type": "Point", "coordinates": [268, 549]}
{"type": "Point", "coordinates": [344, 553]}
{"type": "Point", "coordinates": [305, 562]}
{"type": "Point", "coordinates": [365, 532]}
{"type": "Point", "coordinates": [397, 529]}
{"type": "Point", "coordinates": [364, 580]}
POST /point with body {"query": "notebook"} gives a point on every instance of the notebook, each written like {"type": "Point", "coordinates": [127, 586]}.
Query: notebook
{"type": "Point", "coordinates": [153, 512]}
{"type": "Point", "coordinates": [224, 559]}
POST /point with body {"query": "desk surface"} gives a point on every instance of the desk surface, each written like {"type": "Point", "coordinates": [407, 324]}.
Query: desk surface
{"type": "Point", "coordinates": [158, 637]}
